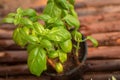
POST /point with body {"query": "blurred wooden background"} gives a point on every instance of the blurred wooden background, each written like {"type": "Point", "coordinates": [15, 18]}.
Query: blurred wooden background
{"type": "Point", "coordinates": [99, 18]}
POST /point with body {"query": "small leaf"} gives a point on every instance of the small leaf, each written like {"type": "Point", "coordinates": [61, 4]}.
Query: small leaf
{"type": "Point", "coordinates": [53, 54]}
{"type": "Point", "coordinates": [38, 28]}
{"type": "Point", "coordinates": [62, 4]}
{"type": "Point", "coordinates": [52, 10]}
{"type": "Point", "coordinates": [8, 20]}
{"type": "Point", "coordinates": [29, 37]}
{"type": "Point", "coordinates": [77, 36]}
{"type": "Point", "coordinates": [46, 44]}
{"type": "Point", "coordinates": [20, 11]}
{"type": "Point", "coordinates": [37, 61]}
{"type": "Point", "coordinates": [72, 2]}
{"type": "Point", "coordinates": [72, 11]}
{"type": "Point", "coordinates": [52, 20]}
{"type": "Point", "coordinates": [11, 15]}
{"type": "Point", "coordinates": [44, 17]}
{"type": "Point", "coordinates": [18, 19]}
{"type": "Point", "coordinates": [58, 34]}
{"type": "Point", "coordinates": [30, 47]}
{"type": "Point", "coordinates": [30, 12]}
{"type": "Point", "coordinates": [18, 38]}
{"type": "Point", "coordinates": [66, 46]}
{"type": "Point", "coordinates": [59, 67]}
{"type": "Point", "coordinates": [72, 21]}
{"type": "Point", "coordinates": [94, 41]}
{"type": "Point", "coordinates": [62, 56]}
{"type": "Point", "coordinates": [26, 22]}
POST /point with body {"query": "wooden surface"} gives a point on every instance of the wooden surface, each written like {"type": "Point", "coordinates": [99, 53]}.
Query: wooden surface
{"type": "Point", "coordinates": [99, 18]}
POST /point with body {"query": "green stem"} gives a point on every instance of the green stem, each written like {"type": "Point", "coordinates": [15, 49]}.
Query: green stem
{"type": "Point", "coordinates": [77, 48]}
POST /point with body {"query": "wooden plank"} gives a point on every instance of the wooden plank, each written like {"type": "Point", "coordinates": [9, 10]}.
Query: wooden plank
{"type": "Point", "coordinates": [95, 11]}
{"type": "Point", "coordinates": [104, 53]}
{"type": "Point", "coordinates": [14, 70]}
{"type": "Point", "coordinates": [27, 77]}
{"type": "Point", "coordinates": [103, 65]}
{"type": "Point", "coordinates": [93, 53]}
{"type": "Point", "coordinates": [106, 39]}
{"type": "Point", "coordinates": [13, 57]}
{"type": "Point", "coordinates": [8, 44]}
{"type": "Point", "coordinates": [92, 66]}
{"type": "Point", "coordinates": [100, 27]}
{"type": "Point", "coordinates": [99, 18]}
{"type": "Point", "coordinates": [96, 3]}
{"type": "Point", "coordinates": [5, 34]}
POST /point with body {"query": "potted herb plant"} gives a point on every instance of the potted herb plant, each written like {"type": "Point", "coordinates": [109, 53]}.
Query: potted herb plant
{"type": "Point", "coordinates": [54, 44]}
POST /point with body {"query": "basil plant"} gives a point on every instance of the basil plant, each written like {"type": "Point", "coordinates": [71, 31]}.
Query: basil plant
{"type": "Point", "coordinates": [48, 41]}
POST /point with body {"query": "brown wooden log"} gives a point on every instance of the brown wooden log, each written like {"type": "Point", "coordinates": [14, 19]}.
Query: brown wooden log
{"type": "Point", "coordinates": [101, 76]}
{"type": "Point", "coordinates": [92, 66]}
{"type": "Point", "coordinates": [100, 27]}
{"type": "Point", "coordinates": [95, 11]}
{"type": "Point", "coordinates": [99, 18]}
{"type": "Point", "coordinates": [14, 70]}
{"type": "Point", "coordinates": [8, 44]}
{"type": "Point", "coordinates": [27, 77]}
{"type": "Point", "coordinates": [7, 26]}
{"type": "Point", "coordinates": [93, 53]}
{"type": "Point", "coordinates": [103, 65]}
{"type": "Point", "coordinates": [5, 34]}
{"type": "Point", "coordinates": [96, 3]}
{"type": "Point", "coordinates": [13, 56]}
{"type": "Point", "coordinates": [104, 53]}
{"type": "Point", "coordinates": [107, 39]}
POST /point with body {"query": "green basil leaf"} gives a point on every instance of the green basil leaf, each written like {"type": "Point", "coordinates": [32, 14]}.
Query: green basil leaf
{"type": "Point", "coordinates": [18, 38]}
{"type": "Point", "coordinates": [52, 10]}
{"type": "Point", "coordinates": [94, 41]}
{"type": "Point", "coordinates": [38, 28]}
{"type": "Point", "coordinates": [53, 54]}
{"type": "Point", "coordinates": [17, 19]}
{"type": "Point", "coordinates": [44, 17]}
{"type": "Point", "coordinates": [72, 21]}
{"type": "Point", "coordinates": [52, 20]}
{"type": "Point", "coordinates": [29, 12]}
{"type": "Point", "coordinates": [66, 46]}
{"type": "Point", "coordinates": [58, 34]}
{"type": "Point", "coordinates": [59, 67]}
{"type": "Point", "coordinates": [30, 47]}
{"type": "Point", "coordinates": [62, 4]}
{"type": "Point", "coordinates": [37, 61]}
{"type": "Point", "coordinates": [62, 56]}
{"type": "Point", "coordinates": [11, 15]}
{"type": "Point", "coordinates": [20, 11]}
{"type": "Point", "coordinates": [72, 11]}
{"type": "Point", "coordinates": [31, 38]}
{"type": "Point", "coordinates": [77, 36]}
{"type": "Point", "coordinates": [59, 23]}
{"type": "Point", "coordinates": [8, 20]}
{"type": "Point", "coordinates": [64, 13]}
{"type": "Point", "coordinates": [46, 44]}
{"type": "Point", "coordinates": [72, 2]}
{"type": "Point", "coordinates": [26, 22]}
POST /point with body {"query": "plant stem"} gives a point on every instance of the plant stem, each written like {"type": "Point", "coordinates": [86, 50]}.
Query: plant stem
{"type": "Point", "coordinates": [51, 62]}
{"type": "Point", "coordinates": [77, 48]}
{"type": "Point", "coordinates": [76, 53]}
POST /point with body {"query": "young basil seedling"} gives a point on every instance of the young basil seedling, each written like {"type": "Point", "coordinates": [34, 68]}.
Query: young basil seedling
{"type": "Point", "coordinates": [51, 40]}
